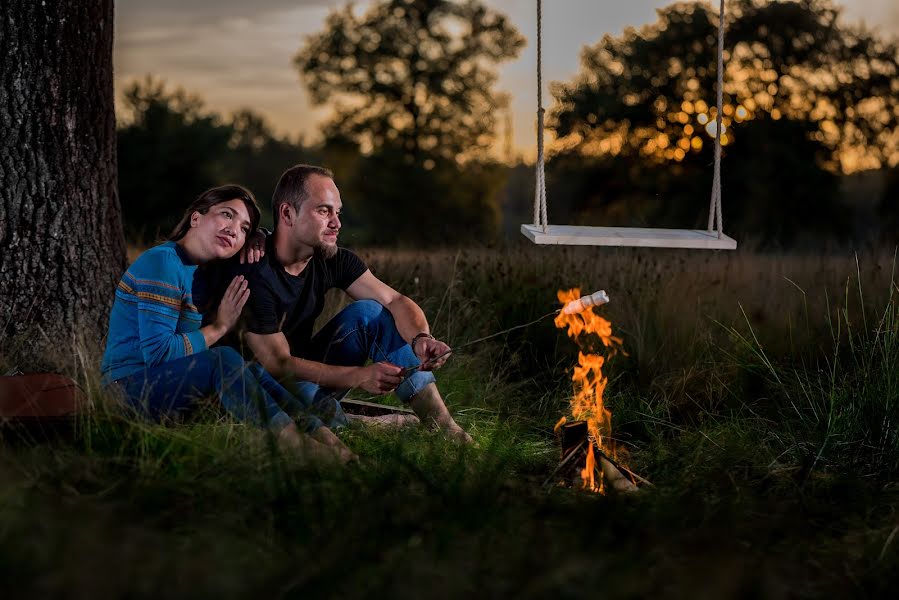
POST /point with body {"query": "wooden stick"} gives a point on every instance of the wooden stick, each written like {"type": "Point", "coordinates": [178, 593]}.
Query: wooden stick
{"type": "Point", "coordinates": [567, 459]}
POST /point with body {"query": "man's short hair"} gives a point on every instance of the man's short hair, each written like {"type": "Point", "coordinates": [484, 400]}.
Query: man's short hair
{"type": "Point", "coordinates": [291, 188]}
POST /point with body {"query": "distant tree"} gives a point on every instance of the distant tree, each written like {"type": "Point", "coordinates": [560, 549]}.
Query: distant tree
{"type": "Point", "coordinates": [416, 75]}
{"type": "Point", "coordinates": [391, 203]}
{"type": "Point", "coordinates": [60, 224]}
{"type": "Point", "coordinates": [888, 208]}
{"type": "Point", "coordinates": [257, 156]}
{"type": "Point", "coordinates": [806, 98]}
{"type": "Point", "coordinates": [410, 83]}
{"type": "Point", "coordinates": [169, 150]}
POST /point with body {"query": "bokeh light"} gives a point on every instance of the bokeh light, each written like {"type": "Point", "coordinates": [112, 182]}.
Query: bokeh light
{"type": "Point", "coordinates": [711, 128]}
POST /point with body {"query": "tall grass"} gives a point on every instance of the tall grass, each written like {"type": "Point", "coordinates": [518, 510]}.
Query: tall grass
{"type": "Point", "coordinates": [839, 406]}
{"type": "Point", "coordinates": [759, 394]}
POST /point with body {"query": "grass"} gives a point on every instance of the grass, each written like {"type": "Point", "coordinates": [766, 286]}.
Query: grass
{"type": "Point", "coordinates": [760, 394]}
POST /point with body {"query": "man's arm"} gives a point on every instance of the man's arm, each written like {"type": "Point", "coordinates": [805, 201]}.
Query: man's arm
{"type": "Point", "coordinates": [273, 352]}
{"type": "Point", "coordinates": [409, 318]}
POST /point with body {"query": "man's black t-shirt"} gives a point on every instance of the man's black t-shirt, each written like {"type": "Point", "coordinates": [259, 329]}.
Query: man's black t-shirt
{"type": "Point", "coordinates": [290, 304]}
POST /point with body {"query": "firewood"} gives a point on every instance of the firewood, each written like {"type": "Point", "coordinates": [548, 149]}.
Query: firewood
{"type": "Point", "coordinates": [616, 478]}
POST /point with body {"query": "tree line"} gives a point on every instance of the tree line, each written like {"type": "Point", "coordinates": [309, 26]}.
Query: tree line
{"type": "Point", "coordinates": [412, 87]}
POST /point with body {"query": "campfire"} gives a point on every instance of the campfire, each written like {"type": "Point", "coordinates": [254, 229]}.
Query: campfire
{"type": "Point", "coordinates": [587, 439]}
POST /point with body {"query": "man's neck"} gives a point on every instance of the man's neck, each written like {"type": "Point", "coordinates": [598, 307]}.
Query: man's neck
{"type": "Point", "coordinates": [294, 259]}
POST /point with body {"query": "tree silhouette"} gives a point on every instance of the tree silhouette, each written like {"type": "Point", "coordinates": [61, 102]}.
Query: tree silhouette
{"type": "Point", "coordinates": [169, 150]}
{"type": "Point", "coordinates": [415, 75]}
{"type": "Point", "coordinates": [806, 98]}
{"type": "Point", "coordinates": [257, 156]}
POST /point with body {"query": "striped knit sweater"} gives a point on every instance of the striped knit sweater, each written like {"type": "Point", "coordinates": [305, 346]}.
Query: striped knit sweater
{"type": "Point", "coordinates": [153, 318]}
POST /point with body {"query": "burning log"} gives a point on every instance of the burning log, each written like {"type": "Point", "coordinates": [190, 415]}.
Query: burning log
{"type": "Point", "coordinates": [578, 447]}
{"type": "Point", "coordinates": [616, 478]}
{"type": "Point", "coordinates": [572, 436]}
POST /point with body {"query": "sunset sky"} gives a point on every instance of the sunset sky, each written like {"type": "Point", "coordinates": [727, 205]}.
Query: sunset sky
{"type": "Point", "coordinates": [238, 54]}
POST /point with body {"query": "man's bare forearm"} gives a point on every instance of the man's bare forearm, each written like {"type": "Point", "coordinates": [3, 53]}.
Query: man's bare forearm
{"type": "Point", "coordinates": [409, 318]}
{"type": "Point", "coordinates": [332, 376]}
{"type": "Point", "coordinates": [273, 352]}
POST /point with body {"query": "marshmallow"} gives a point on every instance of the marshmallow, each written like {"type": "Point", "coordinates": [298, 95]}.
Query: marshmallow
{"type": "Point", "coordinates": [585, 302]}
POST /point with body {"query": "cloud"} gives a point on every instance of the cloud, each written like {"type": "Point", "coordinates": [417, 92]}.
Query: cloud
{"type": "Point", "coordinates": [880, 15]}
{"type": "Point", "coordinates": [134, 15]}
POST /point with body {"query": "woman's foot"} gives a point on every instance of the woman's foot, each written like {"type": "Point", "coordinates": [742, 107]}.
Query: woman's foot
{"type": "Point", "coordinates": [329, 440]}
{"type": "Point", "coordinates": [315, 448]}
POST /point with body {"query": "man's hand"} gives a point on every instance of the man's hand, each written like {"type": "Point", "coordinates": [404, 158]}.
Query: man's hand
{"type": "Point", "coordinates": [426, 349]}
{"type": "Point", "coordinates": [253, 249]}
{"type": "Point", "coordinates": [379, 378]}
{"type": "Point", "coordinates": [232, 303]}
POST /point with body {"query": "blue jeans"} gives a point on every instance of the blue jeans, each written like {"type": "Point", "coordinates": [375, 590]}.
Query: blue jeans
{"type": "Point", "coordinates": [362, 331]}
{"type": "Point", "coordinates": [245, 390]}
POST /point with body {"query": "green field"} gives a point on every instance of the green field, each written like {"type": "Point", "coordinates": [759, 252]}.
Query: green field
{"type": "Point", "coordinates": [760, 393]}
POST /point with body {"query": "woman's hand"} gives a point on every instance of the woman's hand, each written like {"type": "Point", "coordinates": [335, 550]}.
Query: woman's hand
{"type": "Point", "coordinates": [254, 248]}
{"type": "Point", "coordinates": [232, 304]}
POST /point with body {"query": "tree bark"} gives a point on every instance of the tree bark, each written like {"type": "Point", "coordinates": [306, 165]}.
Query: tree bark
{"type": "Point", "coordinates": [62, 249]}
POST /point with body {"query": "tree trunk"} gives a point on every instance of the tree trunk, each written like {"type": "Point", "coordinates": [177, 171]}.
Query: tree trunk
{"type": "Point", "coordinates": [61, 243]}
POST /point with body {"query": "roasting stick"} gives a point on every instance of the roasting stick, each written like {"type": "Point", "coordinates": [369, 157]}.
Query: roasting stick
{"type": "Point", "coordinates": [575, 306]}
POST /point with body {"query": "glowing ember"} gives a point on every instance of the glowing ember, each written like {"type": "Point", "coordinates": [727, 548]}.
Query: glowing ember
{"type": "Point", "coordinates": [589, 382]}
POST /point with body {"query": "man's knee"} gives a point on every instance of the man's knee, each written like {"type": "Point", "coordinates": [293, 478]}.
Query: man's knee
{"type": "Point", "coordinates": [364, 312]}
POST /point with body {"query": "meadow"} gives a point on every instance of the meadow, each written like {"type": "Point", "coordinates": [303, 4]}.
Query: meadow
{"type": "Point", "coordinates": [759, 392]}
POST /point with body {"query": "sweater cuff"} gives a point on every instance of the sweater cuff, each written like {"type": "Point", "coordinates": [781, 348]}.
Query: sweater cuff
{"type": "Point", "coordinates": [194, 342]}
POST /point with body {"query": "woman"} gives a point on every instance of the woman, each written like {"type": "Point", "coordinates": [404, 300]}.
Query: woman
{"type": "Point", "coordinates": [159, 355]}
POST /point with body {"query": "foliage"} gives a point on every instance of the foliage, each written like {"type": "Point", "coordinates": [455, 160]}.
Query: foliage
{"type": "Point", "coordinates": [889, 206]}
{"type": "Point", "coordinates": [394, 204]}
{"type": "Point", "coordinates": [170, 148]}
{"type": "Point", "coordinates": [805, 96]}
{"type": "Point", "coordinates": [416, 75]}
{"type": "Point", "coordinates": [257, 156]}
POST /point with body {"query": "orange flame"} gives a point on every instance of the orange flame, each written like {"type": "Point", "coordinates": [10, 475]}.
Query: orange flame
{"type": "Point", "coordinates": [589, 382]}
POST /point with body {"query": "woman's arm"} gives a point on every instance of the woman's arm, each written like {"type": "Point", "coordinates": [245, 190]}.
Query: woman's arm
{"type": "Point", "coordinates": [156, 281]}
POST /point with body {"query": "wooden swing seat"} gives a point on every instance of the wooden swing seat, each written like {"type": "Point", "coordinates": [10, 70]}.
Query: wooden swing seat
{"type": "Point", "coordinates": [643, 237]}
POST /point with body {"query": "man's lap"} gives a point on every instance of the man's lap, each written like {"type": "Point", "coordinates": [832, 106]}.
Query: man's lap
{"type": "Point", "coordinates": [363, 331]}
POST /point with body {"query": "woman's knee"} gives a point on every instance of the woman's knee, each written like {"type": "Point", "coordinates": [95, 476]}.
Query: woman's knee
{"type": "Point", "coordinates": [227, 358]}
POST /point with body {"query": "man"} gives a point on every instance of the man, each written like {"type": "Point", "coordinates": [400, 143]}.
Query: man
{"type": "Point", "coordinates": [302, 261]}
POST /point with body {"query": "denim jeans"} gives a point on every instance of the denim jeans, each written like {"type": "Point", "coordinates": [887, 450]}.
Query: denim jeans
{"type": "Point", "coordinates": [245, 390]}
{"type": "Point", "coordinates": [362, 331]}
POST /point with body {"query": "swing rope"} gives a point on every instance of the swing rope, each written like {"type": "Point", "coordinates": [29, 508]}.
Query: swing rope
{"type": "Point", "coordinates": [715, 204]}
{"type": "Point", "coordinates": [540, 192]}
{"type": "Point", "coordinates": [716, 219]}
